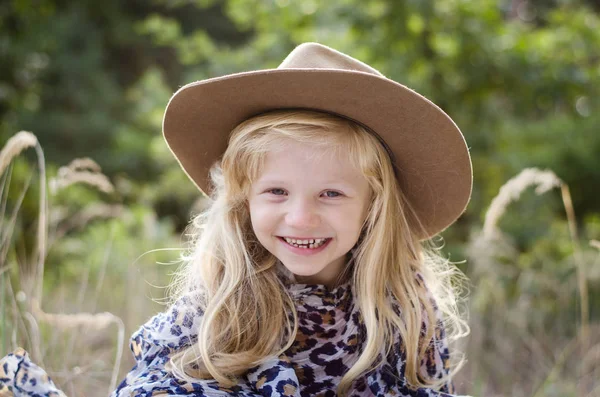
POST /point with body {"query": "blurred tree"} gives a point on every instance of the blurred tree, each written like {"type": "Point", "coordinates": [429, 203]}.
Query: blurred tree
{"type": "Point", "coordinates": [67, 67]}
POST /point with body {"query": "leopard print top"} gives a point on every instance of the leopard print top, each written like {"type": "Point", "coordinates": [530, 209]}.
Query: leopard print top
{"type": "Point", "coordinates": [329, 341]}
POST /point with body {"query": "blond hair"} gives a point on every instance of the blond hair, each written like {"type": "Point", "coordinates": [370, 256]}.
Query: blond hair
{"type": "Point", "coordinates": [245, 303]}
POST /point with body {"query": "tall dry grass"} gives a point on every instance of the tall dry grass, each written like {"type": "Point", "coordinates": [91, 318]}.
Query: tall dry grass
{"type": "Point", "coordinates": [527, 354]}
{"type": "Point", "coordinates": [21, 286]}
{"type": "Point", "coordinates": [14, 146]}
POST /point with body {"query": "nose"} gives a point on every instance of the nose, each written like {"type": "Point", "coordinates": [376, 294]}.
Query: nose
{"type": "Point", "coordinates": [302, 214]}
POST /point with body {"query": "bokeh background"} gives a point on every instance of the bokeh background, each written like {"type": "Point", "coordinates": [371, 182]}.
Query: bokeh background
{"type": "Point", "coordinates": [93, 206]}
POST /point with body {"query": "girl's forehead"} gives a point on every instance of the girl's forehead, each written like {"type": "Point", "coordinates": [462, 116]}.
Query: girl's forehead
{"type": "Point", "coordinates": [323, 160]}
{"type": "Point", "coordinates": [316, 166]}
{"type": "Point", "coordinates": [304, 150]}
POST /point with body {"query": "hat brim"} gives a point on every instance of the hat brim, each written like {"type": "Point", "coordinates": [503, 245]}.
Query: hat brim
{"type": "Point", "coordinates": [431, 154]}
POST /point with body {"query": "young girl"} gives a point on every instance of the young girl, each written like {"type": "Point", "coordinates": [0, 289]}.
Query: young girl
{"type": "Point", "coordinates": [310, 272]}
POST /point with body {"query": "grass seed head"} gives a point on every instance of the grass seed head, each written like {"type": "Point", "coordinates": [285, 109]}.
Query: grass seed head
{"type": "Point", "coordinates": [14, 146]}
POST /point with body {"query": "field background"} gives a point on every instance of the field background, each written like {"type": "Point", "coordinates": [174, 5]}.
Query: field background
{"type": "Point", "coordinates": [93, 206]}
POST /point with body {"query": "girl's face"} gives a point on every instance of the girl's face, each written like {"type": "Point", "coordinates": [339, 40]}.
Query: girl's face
{"type": "Point", "coordinates": [303, 198]}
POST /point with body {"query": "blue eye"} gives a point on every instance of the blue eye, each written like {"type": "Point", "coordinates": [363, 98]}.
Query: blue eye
{"type": "Point", "coordinates": [332, 191]}
{"type": "Point", "coordinates": [272, 190]}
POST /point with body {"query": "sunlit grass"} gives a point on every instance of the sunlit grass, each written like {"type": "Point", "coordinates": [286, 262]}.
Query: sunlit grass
{"type": "Point", "coordinates": [518, 347]}
{"type": "Point", "coordinates": [61, 327]}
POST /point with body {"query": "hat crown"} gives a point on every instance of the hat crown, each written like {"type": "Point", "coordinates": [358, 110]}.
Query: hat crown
{"type": "Point", "coordinates": [318, 56]}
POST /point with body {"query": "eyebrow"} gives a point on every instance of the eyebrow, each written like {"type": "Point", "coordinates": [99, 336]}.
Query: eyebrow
{"type": "Point", "coordinates": [282, 182]}
{"type": "Point", "coordinates": [270, 182]}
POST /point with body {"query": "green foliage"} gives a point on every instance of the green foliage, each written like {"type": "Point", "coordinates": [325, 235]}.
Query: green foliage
{"type": "Point", "coordinates": [493, 69]}
{"type": "Point", "coordinates": [68, 69]}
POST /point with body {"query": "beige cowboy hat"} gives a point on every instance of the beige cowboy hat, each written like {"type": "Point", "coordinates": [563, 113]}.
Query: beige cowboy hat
{"type": "Point", "coordinates": [427, 149]}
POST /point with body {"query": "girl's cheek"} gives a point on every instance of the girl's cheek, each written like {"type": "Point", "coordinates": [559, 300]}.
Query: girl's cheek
{"type": "Point", "coordinates": [262, 212]}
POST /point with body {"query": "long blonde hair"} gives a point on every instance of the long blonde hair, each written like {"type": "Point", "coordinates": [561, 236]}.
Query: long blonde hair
{"type": "Point", "coordinates": [245, 305]}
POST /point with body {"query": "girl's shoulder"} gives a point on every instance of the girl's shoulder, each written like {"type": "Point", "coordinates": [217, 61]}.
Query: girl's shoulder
{"type": "Point", "coordinates": [173, 329]}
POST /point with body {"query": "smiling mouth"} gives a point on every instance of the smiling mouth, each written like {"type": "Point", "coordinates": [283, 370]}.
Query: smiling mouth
{"type": "Point", "coordinates": [306, 243]}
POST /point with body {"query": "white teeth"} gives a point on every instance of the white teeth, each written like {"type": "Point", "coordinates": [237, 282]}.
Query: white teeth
{"type": "Point", "coordinates": [310, 243]}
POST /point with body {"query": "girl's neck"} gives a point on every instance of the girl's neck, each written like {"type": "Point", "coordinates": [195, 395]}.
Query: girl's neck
{"type": "Point", "coordinates": [343, 278]}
